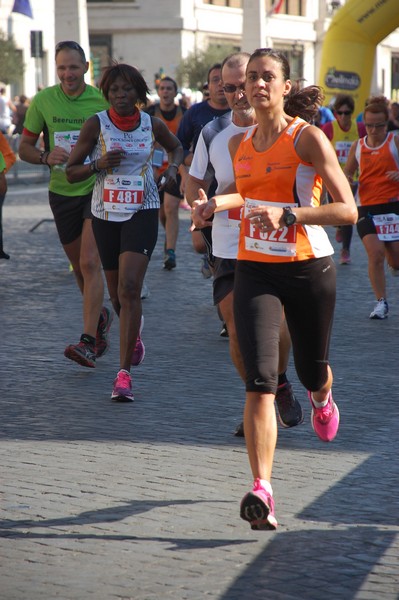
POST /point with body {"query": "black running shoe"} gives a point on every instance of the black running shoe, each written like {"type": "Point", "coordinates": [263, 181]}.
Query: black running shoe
{"type": "Point", "coordinates": [239, 432]}
{"type": "Point", "coordinates": [104, 324]}
{"type": "Point", "coordinates": [169, 262]}
{"type": "Point", "coordinates": [290, 412]}
{"type": "Point", "coordinates": [224, 332]}
{"type": "Point", "coordinates": [82, 353]}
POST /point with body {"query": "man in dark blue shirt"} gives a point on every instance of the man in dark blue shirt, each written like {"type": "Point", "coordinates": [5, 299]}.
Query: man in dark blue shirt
{"type": "Point", "coordinates": [188, 133]}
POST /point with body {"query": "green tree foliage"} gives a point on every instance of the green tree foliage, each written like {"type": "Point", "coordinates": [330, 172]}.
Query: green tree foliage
{"type": "Point", "coordinates": [11, 62]}
{"type": "Point", "coordinates": [193, 70]}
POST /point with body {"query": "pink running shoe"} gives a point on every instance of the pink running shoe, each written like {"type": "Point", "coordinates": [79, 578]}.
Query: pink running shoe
{"type": "Point", "coordinates": [345, 258]}
{"type": "Point", "coordinates": [122, 390]}
{"type": "Point", "coordinates": [257, 507]}
{"type": "Point", "coordinates": [338, 235]}
{"type": "Point", "coordinates": [325, 420]}
{"type": "Point", "coordinates": [139, 349]}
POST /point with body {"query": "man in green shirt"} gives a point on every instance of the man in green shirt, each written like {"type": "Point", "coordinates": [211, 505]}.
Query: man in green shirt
{"type": "Point", "coordinates": [59, 112]}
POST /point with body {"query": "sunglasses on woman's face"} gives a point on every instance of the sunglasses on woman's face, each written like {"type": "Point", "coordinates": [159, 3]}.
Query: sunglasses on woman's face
{"type": "Point", "coordinates": [344, 112]}
{"type": "Point", "coordinates": [375, 125]}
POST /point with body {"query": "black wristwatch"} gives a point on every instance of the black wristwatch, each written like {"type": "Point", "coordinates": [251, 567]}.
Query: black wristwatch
{"type": "Point", "coordinates": [289, 217]}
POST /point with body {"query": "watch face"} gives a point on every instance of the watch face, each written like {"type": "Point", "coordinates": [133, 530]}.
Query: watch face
{"type": "Point", "coordinates": [289, 218]}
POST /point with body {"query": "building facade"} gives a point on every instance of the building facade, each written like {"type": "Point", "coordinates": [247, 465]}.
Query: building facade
{"type": "Point", "coordinates": [155, 36]}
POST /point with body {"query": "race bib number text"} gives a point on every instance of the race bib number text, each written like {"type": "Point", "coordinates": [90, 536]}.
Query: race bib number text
{"type": "Point", "coordinates": [123, 193]}
{"type": "Point", "coordinates": [279, 242]}
{"type": "Point", "coordinates": [387, 227]}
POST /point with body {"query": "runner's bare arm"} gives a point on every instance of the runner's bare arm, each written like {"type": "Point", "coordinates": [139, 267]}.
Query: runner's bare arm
{"type": "Point", "coordinates": [76, 170]}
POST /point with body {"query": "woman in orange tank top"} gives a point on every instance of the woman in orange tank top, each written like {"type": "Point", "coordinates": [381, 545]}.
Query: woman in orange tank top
{"type": "Point", "coordinates": [284, 261]}
{"type": "Point", "coordinates": [377, 158]}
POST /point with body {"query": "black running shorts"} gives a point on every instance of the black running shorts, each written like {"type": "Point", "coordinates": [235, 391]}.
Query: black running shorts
{"type": "Point", "coordinates": [223, 278]}
{"type": "Point", "coordinates": [138, 234]}
{"type": "Point", "coordinates": [69, 213]}
{"type": "Point", "coordinates": [365, 224]}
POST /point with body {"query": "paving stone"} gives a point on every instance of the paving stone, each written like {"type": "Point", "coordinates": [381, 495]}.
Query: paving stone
{"type": "Point", "coordinates": [140, 501]}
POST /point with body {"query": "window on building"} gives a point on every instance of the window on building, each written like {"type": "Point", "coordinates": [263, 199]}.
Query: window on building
{"type": "Point", "coordinates": [285, 7]}
{"type": "Point", "coordinates": [100, 54]}
{"type": "Point", "coordinates": [230, 3]}
{"type": "Point", "coordinates": [294, 55]}
{"type": "Point", "coordinates": [288, 7]}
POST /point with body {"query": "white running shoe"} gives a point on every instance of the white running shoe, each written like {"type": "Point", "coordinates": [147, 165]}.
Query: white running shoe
{"type": "Point", "coordinates": [380, 309]}
{"type": "Point", "coordinates": [145, 292]}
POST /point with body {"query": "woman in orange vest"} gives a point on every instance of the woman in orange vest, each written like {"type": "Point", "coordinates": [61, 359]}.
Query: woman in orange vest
{"type": "Point", "coordinates": [342, 133]}
{"type": "Point", "coordinates": [284, 259]}
{"type": "Point", "coordinates": [377, 158]}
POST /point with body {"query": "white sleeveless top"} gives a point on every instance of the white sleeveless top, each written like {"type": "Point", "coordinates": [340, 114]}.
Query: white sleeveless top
{"type": "Point", "coordinates": [118, 193]}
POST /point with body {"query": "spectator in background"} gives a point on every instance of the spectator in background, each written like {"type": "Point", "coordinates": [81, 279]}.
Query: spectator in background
{"type": "Point", "coordinates": [6, 110]}
{"type": "Point", "coordinates": [19, 115]}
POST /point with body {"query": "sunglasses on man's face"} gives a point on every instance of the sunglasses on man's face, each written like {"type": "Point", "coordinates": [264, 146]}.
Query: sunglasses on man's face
{"type": "Point", "coordinates": [344, 112]}
{"type": "Point", "coordinates": [231, 89]}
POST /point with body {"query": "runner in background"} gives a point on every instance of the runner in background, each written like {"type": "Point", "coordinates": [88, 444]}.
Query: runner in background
{"type": "Point", "coordinates": [377, 158]}
{"type": "Point", "coordinates": [170, 197]}
{"type": "Point", "coordinates": [60, 111]}
{"type": "Point", "coordinates": [342, 133]}
{"type": "Point", "coordinates": [188, 133]}
{"type": "Point", "coordinates": [125, 204]}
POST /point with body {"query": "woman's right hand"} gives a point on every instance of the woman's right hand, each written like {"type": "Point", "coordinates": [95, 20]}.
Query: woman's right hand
{"type": "Point", "coordinates": [110, 159]}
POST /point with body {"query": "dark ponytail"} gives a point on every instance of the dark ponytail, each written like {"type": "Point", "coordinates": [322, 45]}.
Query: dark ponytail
{"type": "Point", "coordinates": [304, 102]}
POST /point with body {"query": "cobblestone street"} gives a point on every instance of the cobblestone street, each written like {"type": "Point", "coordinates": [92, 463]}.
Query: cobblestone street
{"type": "Point", "coordinates": [141, 501]}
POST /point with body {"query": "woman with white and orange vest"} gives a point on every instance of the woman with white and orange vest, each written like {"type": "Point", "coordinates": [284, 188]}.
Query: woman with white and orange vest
{"type": "Point", "coordinates": [120, 143]}
{"type": "Point", "coordinates": [342, 133]}
{"type": "Point", "coordinates": [377, 158]}
{"type": "Point", "coordinates": [284, 260]}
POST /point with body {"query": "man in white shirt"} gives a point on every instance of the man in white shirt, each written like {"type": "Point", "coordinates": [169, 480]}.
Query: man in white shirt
{"type": "Point", "coordinates": [212, 160]}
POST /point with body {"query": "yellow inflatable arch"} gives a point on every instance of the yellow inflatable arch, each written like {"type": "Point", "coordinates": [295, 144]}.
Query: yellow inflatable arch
{"type": "Point", "coordinates": [349, 47]}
